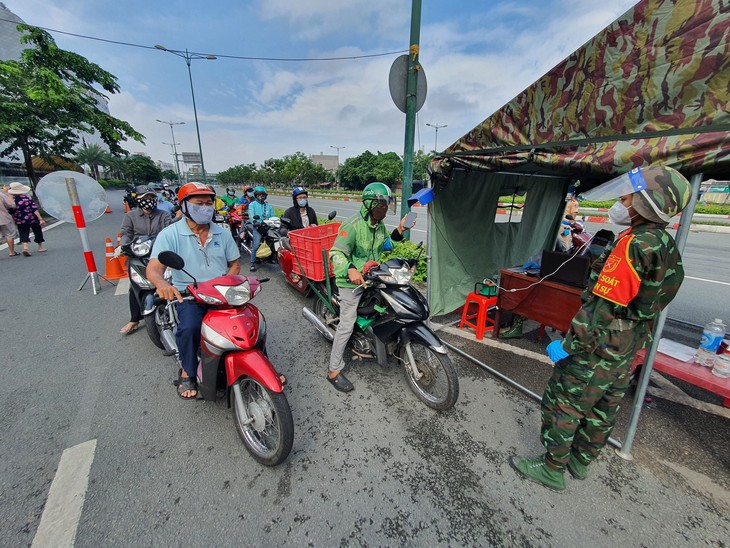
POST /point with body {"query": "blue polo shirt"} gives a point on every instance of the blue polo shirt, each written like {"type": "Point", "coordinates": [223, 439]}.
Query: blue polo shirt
{"type": "Point", "coordinates": [203, 262]}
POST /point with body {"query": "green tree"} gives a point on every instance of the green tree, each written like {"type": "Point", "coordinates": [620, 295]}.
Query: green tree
{"type": "Point", "coordinates": [169, 175]}
{"type": "Point", "coordinates": [359, 171]}
{"type": "Point", "coordinates": [115, 165]}
{"type": "Point", "coordinates": [49, 97]}
{"type": "Point", "coordinates": [91, 155]}
{"type": "Point", "coordinates": [421, 160]}
{"type": "Point", "coordinates": [237, 175]}
{"type": "Point", "coordinates": [141, 169]}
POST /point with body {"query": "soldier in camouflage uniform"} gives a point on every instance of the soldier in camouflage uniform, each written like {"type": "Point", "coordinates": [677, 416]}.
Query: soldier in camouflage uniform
{"type": "Point", "coordinates": [632, 281]}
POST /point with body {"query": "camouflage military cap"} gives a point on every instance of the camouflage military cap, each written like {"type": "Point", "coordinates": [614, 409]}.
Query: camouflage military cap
{"type": "Point", "coordinates": [667, 193]}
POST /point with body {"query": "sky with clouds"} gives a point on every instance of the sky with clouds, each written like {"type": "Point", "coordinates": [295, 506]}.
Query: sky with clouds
{"type": "Point", "coordinates": [477, 55]}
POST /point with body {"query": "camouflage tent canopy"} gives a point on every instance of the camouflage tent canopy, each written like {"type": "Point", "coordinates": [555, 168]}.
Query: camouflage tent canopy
{"type": "Point", "coordinates": [651, 88]}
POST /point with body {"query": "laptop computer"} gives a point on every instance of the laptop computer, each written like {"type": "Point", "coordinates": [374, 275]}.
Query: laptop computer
{"type": "Point", "coordinates": [565, 268]}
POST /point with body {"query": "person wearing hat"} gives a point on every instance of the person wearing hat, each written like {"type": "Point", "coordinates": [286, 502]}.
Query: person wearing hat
{"type": "Point", "coordinates": [145, 220]}
{"type": "Point", "coordinates": [631, 282]}
{"type": "Point", "coordinates": [27, 217]}
{"type": "Point", "coordinates": [7, 225]}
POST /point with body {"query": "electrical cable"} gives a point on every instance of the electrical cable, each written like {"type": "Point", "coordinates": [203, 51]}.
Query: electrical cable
{"type": "Point", "coordinates": [220, 55]}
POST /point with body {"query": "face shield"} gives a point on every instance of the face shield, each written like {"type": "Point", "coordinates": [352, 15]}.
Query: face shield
{"type": "Point", "coordinates": [625, 184]}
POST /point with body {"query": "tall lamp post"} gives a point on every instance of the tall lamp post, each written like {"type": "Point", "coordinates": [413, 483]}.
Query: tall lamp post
{"type": "Point", "coordinates": [436, 142]}
{"type": "Point", "coordinates": [174, 155]}
{"type": "Point", "coordinates": [337, 174]}
{"type": "Point", "coordinates": [174, 145]}
{"type": "Point", "coordinates": [189, 57]}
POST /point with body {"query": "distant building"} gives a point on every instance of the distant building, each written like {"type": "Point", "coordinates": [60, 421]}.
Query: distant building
{"type": "Point", "coordinates": [327, 161]}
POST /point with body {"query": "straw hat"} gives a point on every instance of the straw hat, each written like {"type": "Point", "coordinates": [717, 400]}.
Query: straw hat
{"type": "Point", "coordinates": [18, 188]}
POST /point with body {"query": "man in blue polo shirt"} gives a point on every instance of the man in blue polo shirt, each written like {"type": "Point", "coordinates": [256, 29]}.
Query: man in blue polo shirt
{"type": "Point", "coordinates": [208, 252]}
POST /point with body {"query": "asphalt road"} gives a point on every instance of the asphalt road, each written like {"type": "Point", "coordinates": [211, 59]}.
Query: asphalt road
{"type": "Point", "coordinates": [374, 467]}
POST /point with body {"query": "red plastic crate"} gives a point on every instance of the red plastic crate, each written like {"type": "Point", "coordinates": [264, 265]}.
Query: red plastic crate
{"type": "Point", "coordinates": [307, 244]}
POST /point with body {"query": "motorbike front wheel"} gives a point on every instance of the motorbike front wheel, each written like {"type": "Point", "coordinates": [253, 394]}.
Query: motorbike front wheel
{"type": "Point", "coordinates": [438, 386]}
{"type": "Point", "coordinates": [270, 435]}
{"type": "Point", "coordinates": [154, 323]}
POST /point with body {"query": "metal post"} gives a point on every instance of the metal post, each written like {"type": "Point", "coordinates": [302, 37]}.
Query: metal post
{"type": "Point", "coordinates": [411, 91]}
{"type": "Point", "coordinates": [681, 239]}
{"type": "Point", "coordinates": [195, 113]}
{"type": "Point", "coordinates": [174, 147]}
{"type": "Point", "coordinates": [337, 173]}
{"type": "Point", "coordinates": [92, 273]}
{"type": "Point", "coordinates": [436, 141]}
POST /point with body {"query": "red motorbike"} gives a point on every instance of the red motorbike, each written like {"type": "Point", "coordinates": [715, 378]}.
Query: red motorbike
{"type": "Point", "coordinates": [233, 361]}
{"type": "Point", "coordinates": [236, 219]}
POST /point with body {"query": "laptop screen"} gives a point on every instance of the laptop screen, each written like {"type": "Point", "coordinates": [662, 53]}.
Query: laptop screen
{"type": "Point", "coordinates": [565, 268]}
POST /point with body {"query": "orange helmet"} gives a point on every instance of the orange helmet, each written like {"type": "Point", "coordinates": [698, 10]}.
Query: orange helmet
{"type": "Point", "coordinates": [193, 189]}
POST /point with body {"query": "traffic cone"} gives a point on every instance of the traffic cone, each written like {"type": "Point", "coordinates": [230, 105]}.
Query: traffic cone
{"type": "Point", "coordinates": [114, 270]}
{"type": "Point", "coordinates": [108, 209]}
{"type": "Point", "coordinates": [126, 207]}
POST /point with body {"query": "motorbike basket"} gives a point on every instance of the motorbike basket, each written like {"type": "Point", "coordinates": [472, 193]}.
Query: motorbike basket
{"type": "Point", "coordinates": [307, 245]}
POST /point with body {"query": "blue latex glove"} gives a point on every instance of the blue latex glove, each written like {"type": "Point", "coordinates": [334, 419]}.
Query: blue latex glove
{"type": "Point", "coordinates": [555, 351]}
{"type": "Point", "coordinates": [530, 265]}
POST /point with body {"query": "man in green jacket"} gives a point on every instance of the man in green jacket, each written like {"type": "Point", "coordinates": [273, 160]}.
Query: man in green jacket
{"type": "Point", "coordinates": [631, 283]}
{"type": "Point", "coordinates": [361, 239]}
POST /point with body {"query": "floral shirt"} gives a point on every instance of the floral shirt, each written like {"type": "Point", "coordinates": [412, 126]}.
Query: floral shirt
{"type": "Point", "coordinates": [25, 211]}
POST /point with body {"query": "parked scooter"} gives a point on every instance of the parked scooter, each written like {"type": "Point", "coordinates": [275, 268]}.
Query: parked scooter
{"type": "Point", "coordinates": [153, 310]}
{"type": "Point", "coordinates": [233, 361]}
{"type": "Point", "coordinates": [269, 230]}
{"type": "Point", "coordinates": [579, 237]}
{"type": "Point", "coordinates": [391, 322]}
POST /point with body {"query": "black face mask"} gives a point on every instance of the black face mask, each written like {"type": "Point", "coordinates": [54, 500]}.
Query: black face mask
{"type": "Point", "coordinates": [147, 203]}
{"type": "Point", "coordinates": [260, 199]}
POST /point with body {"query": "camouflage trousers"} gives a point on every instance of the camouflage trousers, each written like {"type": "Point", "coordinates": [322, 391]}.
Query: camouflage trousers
{"type": "Point", "coordinates": [580, 405]}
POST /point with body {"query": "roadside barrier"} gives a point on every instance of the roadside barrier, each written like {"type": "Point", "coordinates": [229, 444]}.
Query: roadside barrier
{"type": "Point", "coordinates": [114, 270]}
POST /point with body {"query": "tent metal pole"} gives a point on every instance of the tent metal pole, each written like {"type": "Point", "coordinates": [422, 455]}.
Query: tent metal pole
{"type": "Point", "coordinates": [681, 239]}
{"type": "Point", "coordinates": [429, 220]}
{"type": "Point", "coordinates": [509, 381]}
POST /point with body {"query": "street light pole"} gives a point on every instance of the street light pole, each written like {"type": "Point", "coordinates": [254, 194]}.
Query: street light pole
{"type": "Point", "coordinates": [174, 155]}
{"type": "Point", "coordinates": [188, 56]}
{"type": "Point", "coordinates": [436, 142]}
{"type": "Point", "coordinates": [337, 174]}
{"type": "Point", "coordinates": [174, 145]}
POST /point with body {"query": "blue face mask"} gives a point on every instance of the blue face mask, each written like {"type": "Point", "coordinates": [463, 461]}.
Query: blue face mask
{"type": "Point", "coordinates": [302, 203]}
{"type": "Point", "coordinates": [199, 214]}
{"type": "Point", "coordinates": [249, 194]}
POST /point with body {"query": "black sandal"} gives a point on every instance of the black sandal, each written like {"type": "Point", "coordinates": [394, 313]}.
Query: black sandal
{"type": "Point", "coordinates": [340, 382]}
{"type": "Point", "coordinates": [185, 384]}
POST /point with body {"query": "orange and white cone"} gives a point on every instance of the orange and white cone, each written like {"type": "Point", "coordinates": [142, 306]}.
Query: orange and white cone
{"type": "Point", "coordinates": [122, 258]}
{"type": "Point", "coordinates": [114, 270]}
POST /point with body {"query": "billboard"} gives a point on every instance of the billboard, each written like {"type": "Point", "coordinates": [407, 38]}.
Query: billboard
{"type": "Point", "coordinates": [191, 157]}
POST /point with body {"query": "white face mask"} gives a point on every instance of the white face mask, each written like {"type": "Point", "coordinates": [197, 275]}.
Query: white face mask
{"type": "Point", "coordinates": [199, 214]}
{"type": "Point", "coordinates": [619, 214]}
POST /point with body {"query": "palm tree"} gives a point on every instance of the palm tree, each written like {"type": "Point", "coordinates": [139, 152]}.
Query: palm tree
{"type": "Point", "coordinates": [115, 165]}
{"type": "Point", "coordinates": [92, 156]}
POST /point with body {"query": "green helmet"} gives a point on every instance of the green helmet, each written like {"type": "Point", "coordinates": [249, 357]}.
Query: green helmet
{"type": "Point", "coordinates": [667, 193]}
{"type": "Point", "coordinates": [375, 193]}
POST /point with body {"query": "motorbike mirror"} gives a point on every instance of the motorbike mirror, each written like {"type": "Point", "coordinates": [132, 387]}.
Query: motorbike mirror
{"type": "Point", "coordinates": [171, 259]}
{"type": "Point", "coordinates": [175, 209]}
{"type": "Point", "coordinates": [332, 215]}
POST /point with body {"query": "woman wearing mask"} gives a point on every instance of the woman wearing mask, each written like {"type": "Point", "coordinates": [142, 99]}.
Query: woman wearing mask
{"type": "Point", "coordinates": [27, 217]}
{"type": "Point", "coordinates": [300, 215]}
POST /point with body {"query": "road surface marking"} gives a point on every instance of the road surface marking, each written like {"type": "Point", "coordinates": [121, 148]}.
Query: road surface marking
{"type": "Point", "coordinates": [706, 280]}
{"type": "Point", "coordinates": [122, 287]}
{"type": "Point", "coordinates": [65, 501]}
{"type": "Point", "coordinates": [45, 229]}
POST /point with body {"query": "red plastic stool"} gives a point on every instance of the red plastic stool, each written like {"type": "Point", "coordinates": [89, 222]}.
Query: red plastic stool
{"type": "Point", "coordinates": [483, 322]}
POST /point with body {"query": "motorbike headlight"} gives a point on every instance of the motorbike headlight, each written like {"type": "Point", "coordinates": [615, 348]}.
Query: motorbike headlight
{"type": "Point", "coordinates": [142, 248]}
{"type": "Point", "coordinates": [397, 276]}
{"type": "Point", "coordinates": [235, 295]}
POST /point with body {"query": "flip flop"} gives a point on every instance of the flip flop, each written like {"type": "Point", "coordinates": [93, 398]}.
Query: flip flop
{"type": "Point", "coordinates": [128, 331]}
{"type": "Point", "coordinates": [42, 250]}
{"type": "Point", "coordinates": [185, 384]}
{"type": "Point", "coordinates": [26, 253]}
{"type": "Point", "coordinates": [13, 254]}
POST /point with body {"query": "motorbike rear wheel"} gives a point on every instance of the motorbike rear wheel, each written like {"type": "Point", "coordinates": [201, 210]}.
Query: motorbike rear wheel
{"type": "Point", "coordinates": [153, 323]}
{"type": "Point", "coordinates": [270, 436]}
{"type": "Point", "coordinates": [438, 387]}
{"type": "Point", "coordinates": [325, 314]}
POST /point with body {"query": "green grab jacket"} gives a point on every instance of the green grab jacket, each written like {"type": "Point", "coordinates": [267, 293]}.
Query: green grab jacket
{"type": "Point", "coordinates": [357, 243]}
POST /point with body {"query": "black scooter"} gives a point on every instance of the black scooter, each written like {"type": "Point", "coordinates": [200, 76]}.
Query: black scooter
{"type": "Point", "coordinates": [153, 309]}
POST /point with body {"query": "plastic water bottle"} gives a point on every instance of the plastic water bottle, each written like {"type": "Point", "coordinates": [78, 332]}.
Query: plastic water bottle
{"type": "Point", "coordinates": [722, 365]}
{"type": "Point", "coordinates": [712, 335]}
